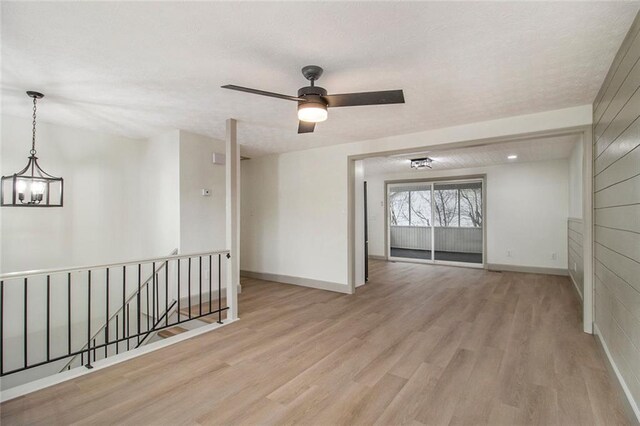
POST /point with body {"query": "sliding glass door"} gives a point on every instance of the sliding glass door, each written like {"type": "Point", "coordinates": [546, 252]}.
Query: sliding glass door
{"type": "Point", "coordinates": [410, 219]}
{"type": "Point", "coordinates": [458, 222]}
{"type": "Point", "coordinates": [436, 222]}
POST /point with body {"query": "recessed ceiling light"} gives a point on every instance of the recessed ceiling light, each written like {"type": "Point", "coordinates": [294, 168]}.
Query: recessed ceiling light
{"type": "Point", "coordinates": [512, 157]}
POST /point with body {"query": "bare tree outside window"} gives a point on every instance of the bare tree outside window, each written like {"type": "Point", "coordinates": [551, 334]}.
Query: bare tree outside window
{"type": "Point", "coordinates": [471, 207]}
{"type": "Point", "coordinates": [399, 208]}
{"type": "Point", "coordinates": [446, 207]}
{"type": "Point", "coordinates": [420, 208]}
{"type": "Point", "coordinates": [454, 206]}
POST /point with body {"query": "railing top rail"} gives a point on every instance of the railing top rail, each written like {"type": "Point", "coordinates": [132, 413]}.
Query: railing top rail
{"type": "Point", "coordinates": [26, 274]}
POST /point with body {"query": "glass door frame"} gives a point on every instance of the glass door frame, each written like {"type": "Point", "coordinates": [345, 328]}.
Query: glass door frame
{"type": "Point", "coordinates": [431, 182]}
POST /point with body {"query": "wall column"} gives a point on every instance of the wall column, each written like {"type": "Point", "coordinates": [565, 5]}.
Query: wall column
{"type": "Point", "coordinates": [232, 217]}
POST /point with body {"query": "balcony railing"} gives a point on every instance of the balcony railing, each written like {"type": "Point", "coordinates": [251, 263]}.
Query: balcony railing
{"type": "Point", "coordinates": [59, 319]}
{"type": "Point", "coordinates": [451, 239]}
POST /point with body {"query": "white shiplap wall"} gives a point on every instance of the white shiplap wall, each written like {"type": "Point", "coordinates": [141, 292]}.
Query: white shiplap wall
{"type": "Point", "coordinates": [616, 149]}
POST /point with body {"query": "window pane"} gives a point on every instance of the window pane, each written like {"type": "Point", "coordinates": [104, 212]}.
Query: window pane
{"type": "Point", "coordinates": [446, 207]}
{"type": "Point", "coordinates": [471, 207]}
{"type": "Point", "coordinates": [399, 208]}
{"type": "Point", "coordinates": [420, 208]}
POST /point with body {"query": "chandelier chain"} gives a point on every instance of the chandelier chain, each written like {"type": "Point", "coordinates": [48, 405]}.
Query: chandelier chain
{"type": "Point", "coordinates": [33, 139]}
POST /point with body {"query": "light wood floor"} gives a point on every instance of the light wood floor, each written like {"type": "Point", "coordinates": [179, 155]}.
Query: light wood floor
{"type": "Point", "coordinates": [419, 344]}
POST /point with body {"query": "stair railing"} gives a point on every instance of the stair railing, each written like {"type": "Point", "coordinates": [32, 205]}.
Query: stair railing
{"type": "Point", "coordinates": [51, 310]}
{"type": "Point", "coordinates": [117, 314]}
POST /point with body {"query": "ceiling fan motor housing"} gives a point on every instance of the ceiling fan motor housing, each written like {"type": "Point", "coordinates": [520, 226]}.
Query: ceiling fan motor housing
{"type": "Point", "coordinates": [305, 92]}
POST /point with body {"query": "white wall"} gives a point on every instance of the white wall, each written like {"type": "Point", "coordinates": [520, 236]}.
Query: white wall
{"type": "Point", "coordinates": [294, 215]}
{"type": "Point", "coordinates": [295, 205]}
{"type": "Point", "coordinates": [526, 208]}
{"type": "Point", "coordinates": [116, 204]}
{"type": "Point", "coordinates": [162, 175]}
{"type": "Point", "coordinates": [202, 218]}
{"type": "Point", "coordinates": [124, 199]}
{"type": "Point", "coordinates": [575, 181]}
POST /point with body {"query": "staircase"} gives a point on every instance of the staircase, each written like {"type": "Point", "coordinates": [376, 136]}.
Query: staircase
{"type": "Point", "coordinates": [60, 319]}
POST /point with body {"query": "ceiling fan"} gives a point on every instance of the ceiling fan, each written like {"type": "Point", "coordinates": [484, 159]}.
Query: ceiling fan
{"type": "Point", "coordinates": [313, 100]}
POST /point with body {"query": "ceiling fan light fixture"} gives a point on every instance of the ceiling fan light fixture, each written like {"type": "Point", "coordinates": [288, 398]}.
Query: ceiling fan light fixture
{"type": "Point", "coordinates": [312, 112]}
{"type": "Point", "coordinates": [313, 100]}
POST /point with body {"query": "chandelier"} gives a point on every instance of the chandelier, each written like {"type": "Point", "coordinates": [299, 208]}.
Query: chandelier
{"type": "Point", "coordinates": [31, 186]}
{"type": "Point", "coordinates": [421, 163]}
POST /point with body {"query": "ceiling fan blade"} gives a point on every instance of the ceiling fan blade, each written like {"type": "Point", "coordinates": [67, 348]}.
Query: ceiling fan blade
{"type": "Point", "coordinates": [365, 98]}
{"type": "Point", "coordinates": [261, 92]}
{"type": "Point", "coordinates": [306, 127]}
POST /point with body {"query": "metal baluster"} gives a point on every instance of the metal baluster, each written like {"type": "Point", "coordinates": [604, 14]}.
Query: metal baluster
{"type": "Point", "coordinates": [219, 289]}
{"type": "Point", "coordinates": [148, 314]}
{"type": "Point", "coordinates": [124, 291]}
{"type": "Point", "coordinates": [166, 293]}
{"type": "Point", "coordinates": [69, 313]}
{"type": "Point", "coordinates": [138, 298]}
{"type": "Point", "coordinates": [178, 260]}
{"type": "Point", "coordinates": [89, 320]}
{"type": "Point", "coordinates": [210, 278]}
{"type": "Point", "coordinates": [48, 318]}
{"type": "Point", "coordinates": [157, 296]}
{"type": "Point", "coordinates": [128, 318]}
{"type": "Point", "coordinates": [94, 350]}
{"type": "Point", "coordinates": [106, 326]}
{"type": "Point", "coordinates": [26, 332]}
{"type": "Point", "coordinates": [200, 285]}
{"type": "Point", "coordinates": [117, 336]}
{"type": "Point", "coordinates": [189, 285]}
{"type": "Point", "coordinates": [153, 294]}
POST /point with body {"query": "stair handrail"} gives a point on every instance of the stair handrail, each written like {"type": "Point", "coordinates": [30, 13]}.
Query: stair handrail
{"type": "Point", "coordinates": [28, 274]}
{"type": "Point", "coordinates": [174, 252]}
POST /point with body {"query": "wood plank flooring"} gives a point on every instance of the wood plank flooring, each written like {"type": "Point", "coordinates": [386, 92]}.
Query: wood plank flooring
{"type": "Point", "coordinates": [419, 344]}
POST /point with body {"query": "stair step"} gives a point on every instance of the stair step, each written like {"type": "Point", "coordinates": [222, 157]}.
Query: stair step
{"type": "Point", "coordinates": [195, 312]}
{"type": "Point", "coordinates": [170, 332]}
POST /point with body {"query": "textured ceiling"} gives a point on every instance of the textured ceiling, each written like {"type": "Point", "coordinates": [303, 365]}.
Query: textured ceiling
{"type": "Point", "coordinates": [551, 148]}
{"type": "Point", "coordinates": [138, 68]}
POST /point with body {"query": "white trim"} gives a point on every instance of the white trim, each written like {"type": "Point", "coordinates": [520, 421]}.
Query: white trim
{"type": "Point", "coordinates": [575, 284]}
{"type": "Point", "coordinates": [46, 382]}
{"type": "Point", "coordinates": [300, 281]}
{"type": "Point", "coordinates": [587, 232]}
{"type": "Point", "coordinates": [627, 393]}
{"type": "Point", "coordinates": [527, 269]}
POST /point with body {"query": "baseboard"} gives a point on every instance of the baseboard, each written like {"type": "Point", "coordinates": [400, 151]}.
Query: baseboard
{"type": "Point", "coordinates": [304, 282]}
{"type": "Point", "coordinates": [575, 284]}
{"type": "Point", "coordinates": [527, 269]}
{"type": "Point", "coordinates": [631, 408]}
{"type": "Point", "coordinates": [376, 257]}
